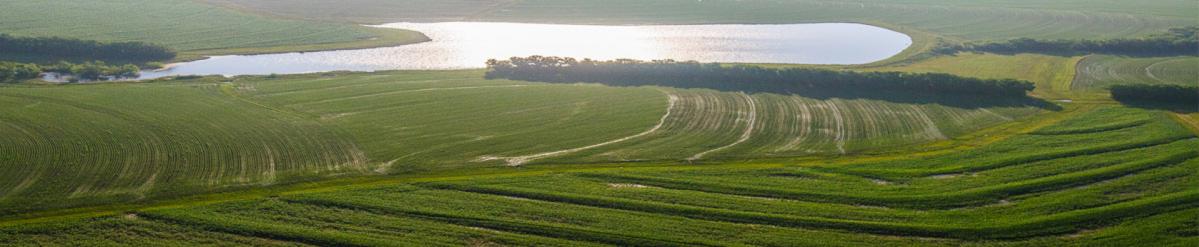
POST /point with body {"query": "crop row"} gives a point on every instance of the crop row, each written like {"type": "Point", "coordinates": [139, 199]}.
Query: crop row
{"type": "Point", "coordinates": [72, 144]}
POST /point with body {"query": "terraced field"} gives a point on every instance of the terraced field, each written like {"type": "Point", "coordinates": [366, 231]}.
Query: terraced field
{"type": "Point", "coordinates": [722, 125]}
{"type": "Point", "coordinates": [446, 158]}
{"type": "Point", "coordinates": [1132, 184]}
{"type": "Point", "coordinates": [184, 25]}
{"type": "Point", "coordinates": [95, 144]}
{"type": "Point", "coordinates": [105, 143]}
{"type": "Point", "coordinates": [423, 120]}
{"type": "Point", "coordinates": [450, 119]}
{"type": "Point", "coordinates": [972, 20]}
{"type": "Point", "coordinates": [1099, 71]}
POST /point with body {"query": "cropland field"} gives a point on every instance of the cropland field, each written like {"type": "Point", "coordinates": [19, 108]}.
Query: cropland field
{"type": "Point", "coordinates": [87, 144]}
{"type": "Point", "coordinates": [1098, 72]}
{"type": "Point", "coordinates": [1052, 74]}
{"type": "Point", "coordinates": [1132, 183]}
{"type": "Point", "coordinates": [973, 20]}
{"type": "Point", "coordinates": [126, 141]}
{"type": "Point", "coordinates": [447, 158]}
{"type": "Point", "coordinates": [186, 25]}
{"type": "Point", "coordinates": [453, 119]}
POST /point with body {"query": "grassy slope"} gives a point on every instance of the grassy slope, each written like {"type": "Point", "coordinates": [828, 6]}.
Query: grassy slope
{"type": "Point", "coordinates": [1137, 196]}
{"type": "Point", "coordinates": [129, 141]}
{"type": "Point", "coordinates": [1097, 72]}
{"type": "Point", "coordinates": [89, 144]}
{"type": "Point", "coordinates": [1165, 229]}
{"type": "Point", "coordinates": [973, 20]}
{"type": "Point", "coordinates": [186, 26]}
{"type": "Point", "coordinates": [700, 120]}
{"type": "Point", "coordinates": [1052, 74]}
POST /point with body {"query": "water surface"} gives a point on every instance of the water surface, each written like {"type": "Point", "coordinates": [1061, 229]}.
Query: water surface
{"type": "Point", "coordinates": [465, 45]}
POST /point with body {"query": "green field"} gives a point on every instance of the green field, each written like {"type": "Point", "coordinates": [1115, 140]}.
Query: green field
{"type": "Point", "coordinates": [1132, 185]}
{"type": "Point", "coordinates": [130, 141]}
{"type": "Point", "coordinates": [187, 26]}
{"type": "Point", "coordinates": [447, 158]}
{"type": "Point", "coordinates": [663, 123]}
{"type": "Point", "coordinates": [1097, 72]}
{"type": "Point", "coordinates": [973, 20]}
{"type": "Point", "coordinates": [121, 142]}
{"type": "Point", "coordinates": [1052, 74]}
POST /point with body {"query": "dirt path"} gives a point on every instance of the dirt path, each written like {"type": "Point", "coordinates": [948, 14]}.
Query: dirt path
{"type": "Point", "coordinates": [1149, 70]}
{"type": "Point", "coordinates": [751, 124]}
{"type": "Point", "coordinates": [519, 160]}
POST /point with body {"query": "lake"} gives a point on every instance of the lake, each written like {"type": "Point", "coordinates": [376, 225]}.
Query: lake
{"type": "Point", "coordinates": [466, 45]}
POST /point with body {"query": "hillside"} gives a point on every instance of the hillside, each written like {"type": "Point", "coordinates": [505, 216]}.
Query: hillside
{"type": "Point", "coordinates": [972, 136]}
{"type": "Point", "coordinates": [133, 141]}
{"type": "Point", "coordinates": [1026, 190]}
{"type": "Point", "coordinates": [1098, 72]}
{"type": "Point", "coordinates": [187, 26]}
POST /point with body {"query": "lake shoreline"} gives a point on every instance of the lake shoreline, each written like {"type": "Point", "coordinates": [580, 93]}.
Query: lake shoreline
{"type": "Point", "coordinates": [466, 45]}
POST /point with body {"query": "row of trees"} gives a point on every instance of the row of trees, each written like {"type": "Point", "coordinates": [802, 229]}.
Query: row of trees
{"type": "Point", "coordinates": [91, 71]}
{"type": "Point", "coordinates": [95, 71]}
{"type": "Point", "coordinates": [1175, 42]}
{"type": "Point", "coordinates": [690, 74]}
{"type": "Point", "coordinates": [60, 48]}
{"type": "Point", "coordinates": [15, 72]}
{"type": "Point", "coordinates": [1177, 95]}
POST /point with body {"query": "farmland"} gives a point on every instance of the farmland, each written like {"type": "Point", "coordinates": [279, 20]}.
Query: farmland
{"type": "Point", "coordinates": [186, 26]}
{"type": "Point", "coordinates": [646, 158]}
{"type": "Point", "coordinates": [986, 19]}
{"type": "Point", "coordinates": [1098, 72]}
{"type": "Point", "coordinates": [660, 123]}
{"type": "Point", "coordinates": [1026, 190]}
{"type": "Point", "coordinates": [124, 142]}
{"type": "Point", "coordinates": [1052, 74]}
{"type": "Point", "coordinates": [105, 143]}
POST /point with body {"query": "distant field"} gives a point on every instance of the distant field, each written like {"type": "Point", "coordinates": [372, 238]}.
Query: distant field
{"type": "Point", "coordinates": [183, 25]}
{"type": "Point", "coordinates": [452, 118]}
{"type": "Point", "coordinates": [1097, 72]}
{"type": "Point", "coordinates": [972, 20]}
{"type": "Point", "coordinates": [1083, 181]}
{"type": "Point", "coordinates": [127, 141]}
{"type": "Point", "coordinates": [1052, 74]}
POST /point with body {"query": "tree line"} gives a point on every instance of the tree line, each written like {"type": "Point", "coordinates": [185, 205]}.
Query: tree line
{"type": "Point", "coordinates": [1183, 41]}
{"type": "Point", "coordinates": [14, 72]}
{"type": "Point", "coordinates": [91, 71]}
{"type": "Point", "coordinates": [1176, 95]}
{"type": "Point", "coordinates": [84, 49]}
{"type": "Point", "coordinates": [690, 74]}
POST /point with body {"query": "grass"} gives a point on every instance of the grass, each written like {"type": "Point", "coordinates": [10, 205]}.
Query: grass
{"type": "Point", "coordinates": [128, 142]}
{"type": "Point", "coordinates": [1142, 195]}
{"type": "Point", "coordinates": [119, 142]}
{"type": "Point", "coordinates": [1052, 74]}
{"type": "Point", "coordinates": [186, 26]}
{"type": "Point", "coordinates": [769, 125]}
{"type": "Point", "coordinates": [124, 230]}
{"type": "Point", "coordinates": [1097, 72]}
{"type": "Point", "coordinates": [421, 157]}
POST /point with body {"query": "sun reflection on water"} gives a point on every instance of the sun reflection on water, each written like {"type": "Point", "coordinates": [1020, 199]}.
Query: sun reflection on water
{"type": "Point", "coordinates": [462, 45]}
